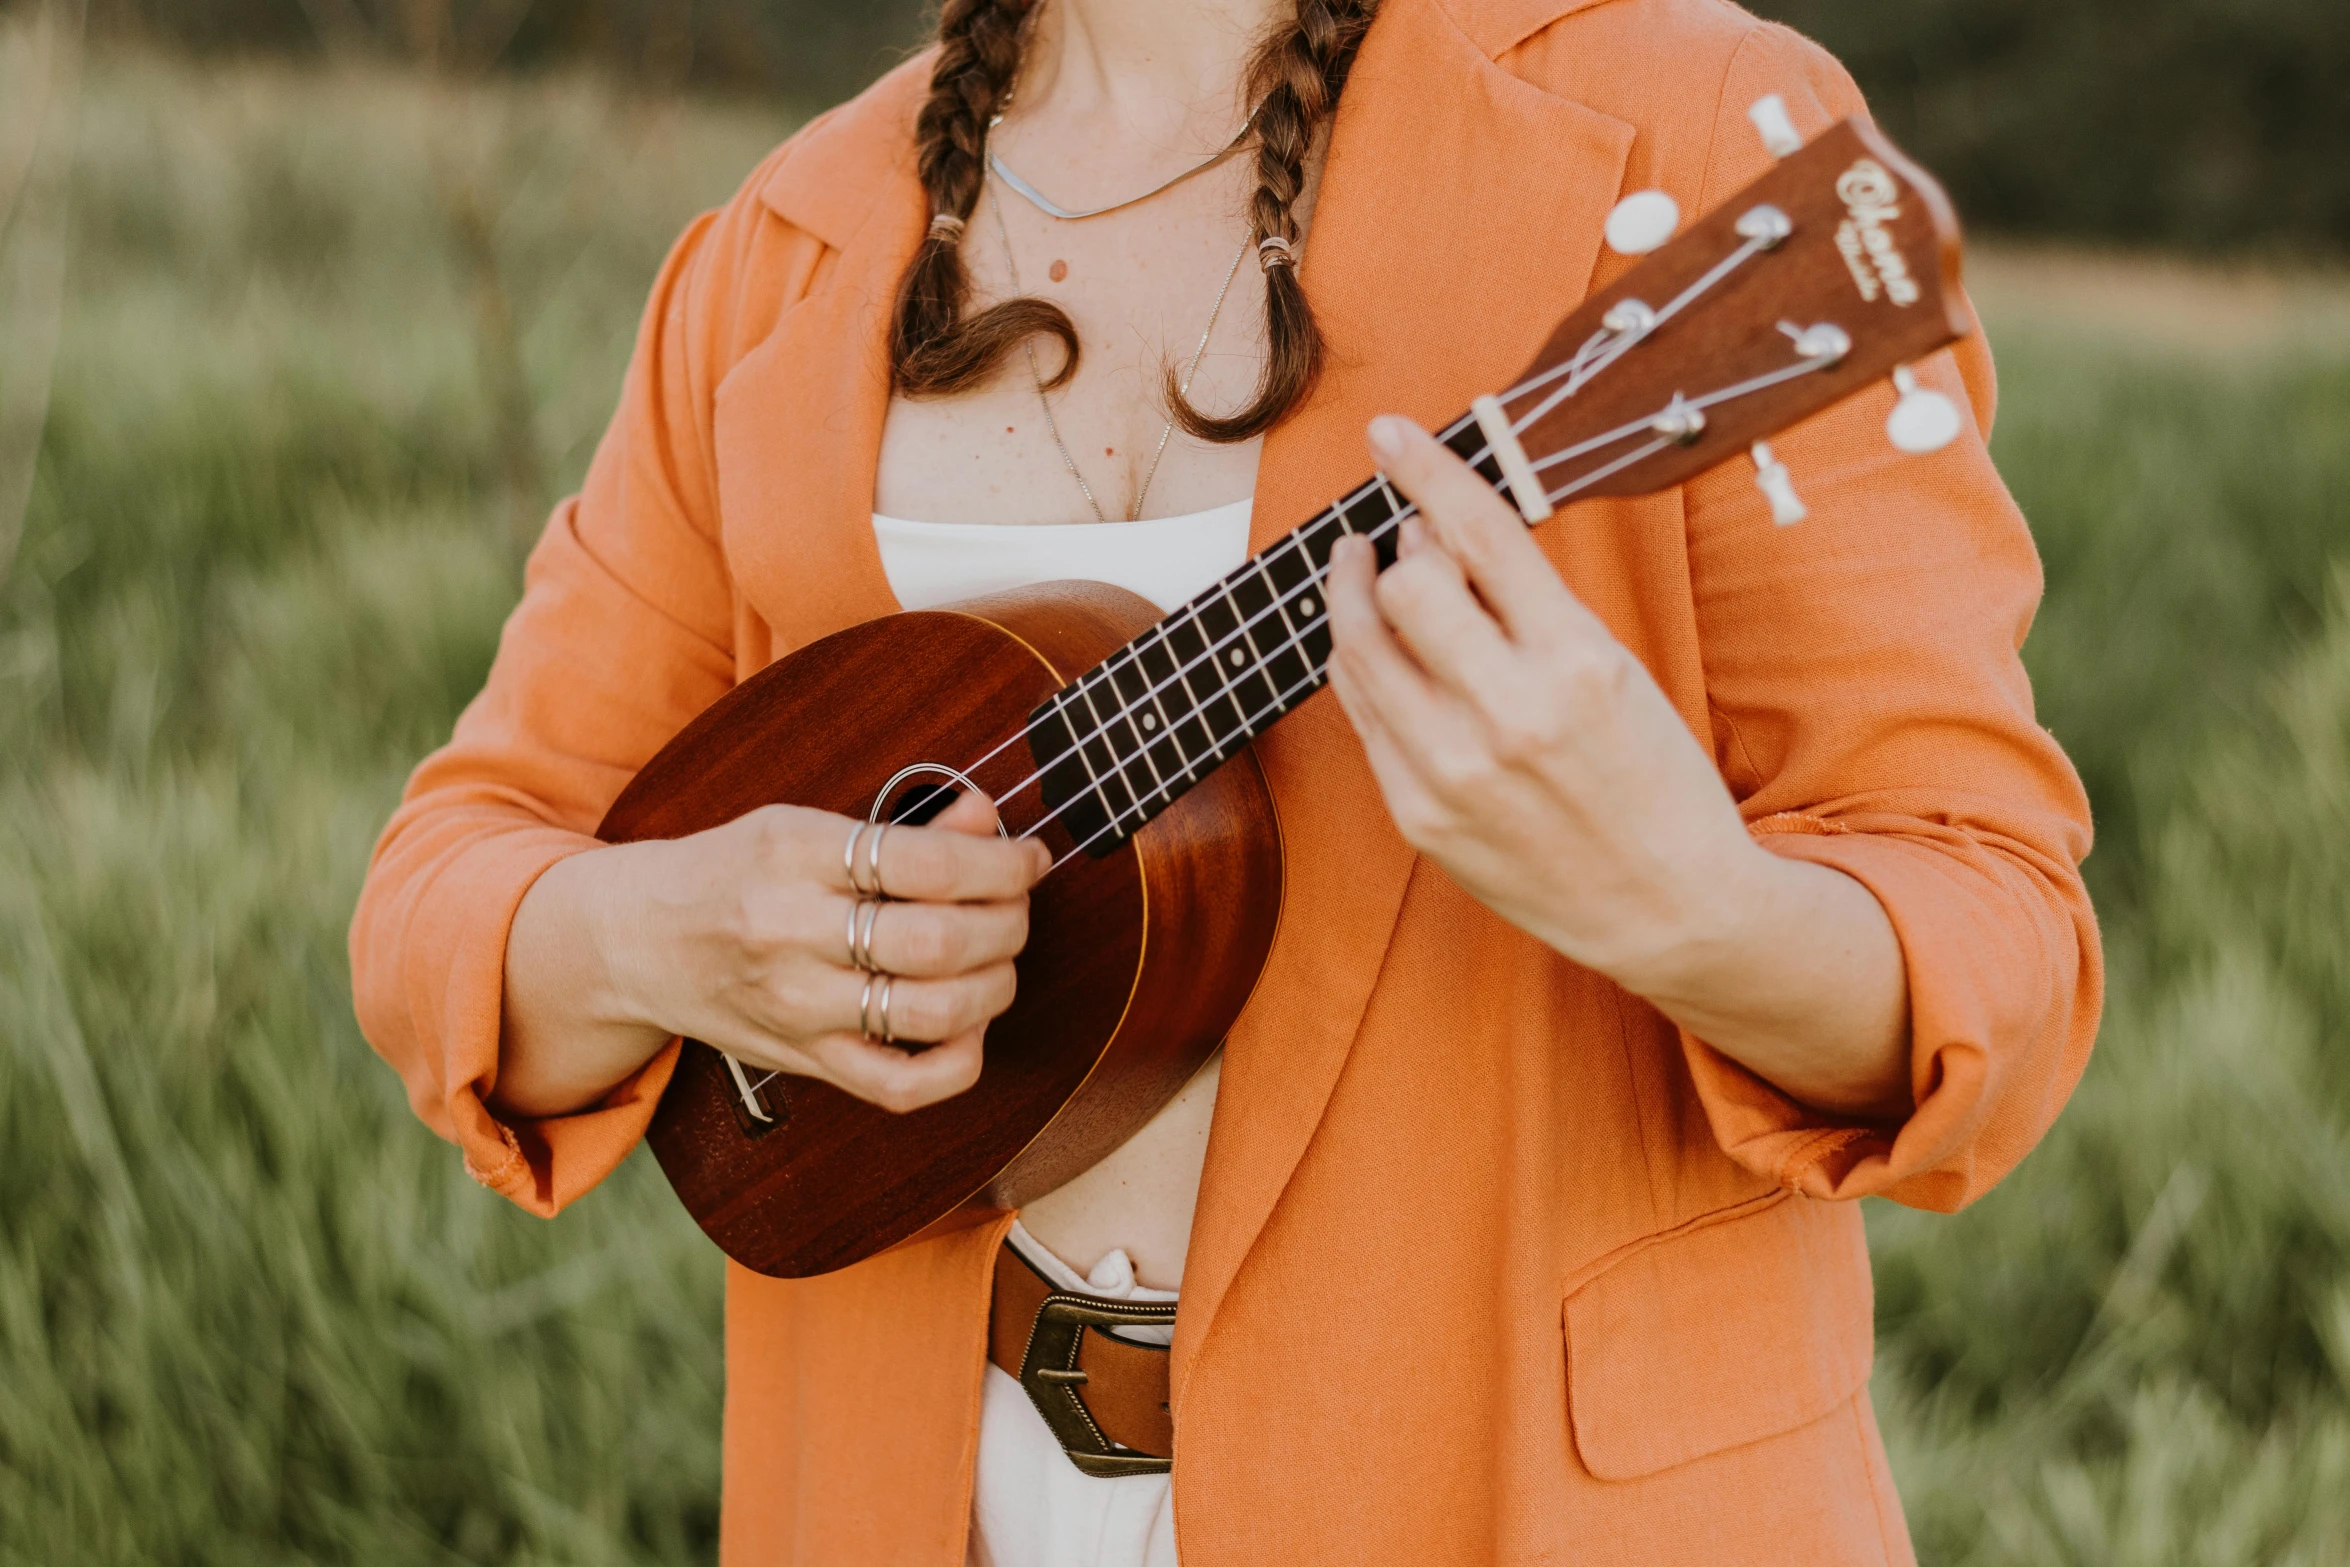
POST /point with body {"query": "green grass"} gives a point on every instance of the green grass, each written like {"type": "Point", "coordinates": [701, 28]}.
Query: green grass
{"type": "Point", "coordinates": [250, 1311]}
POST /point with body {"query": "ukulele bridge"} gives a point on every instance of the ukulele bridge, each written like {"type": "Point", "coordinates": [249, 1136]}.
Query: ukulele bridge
{"type": "Point", "coordinates": [759, 1107]}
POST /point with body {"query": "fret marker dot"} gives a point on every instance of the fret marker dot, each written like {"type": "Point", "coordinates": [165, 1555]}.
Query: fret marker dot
{"type": "Point", "coordinates": [1236, 658]}
{"type": "Point", "coordinates": [1306, 607]}
{"type": "Point", "coordinates": [1150, 720]}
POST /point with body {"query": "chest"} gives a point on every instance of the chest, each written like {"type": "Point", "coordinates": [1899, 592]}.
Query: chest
{"type": "Point", "coordinates": [1169, 287]}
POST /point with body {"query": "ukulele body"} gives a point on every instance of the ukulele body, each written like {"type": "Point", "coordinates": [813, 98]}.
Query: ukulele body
{"type": "Point", "coordinates": [1137, 962]}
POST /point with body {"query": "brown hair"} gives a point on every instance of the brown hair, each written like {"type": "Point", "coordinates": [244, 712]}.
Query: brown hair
{"type": "Point", "coordinates": [1295, 80]}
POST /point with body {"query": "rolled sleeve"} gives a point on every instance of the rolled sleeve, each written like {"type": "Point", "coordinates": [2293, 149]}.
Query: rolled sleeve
{"type": "Point", "coordinates": [625, 631]}
{"type": "Point", "coordinates": [1871, 713]}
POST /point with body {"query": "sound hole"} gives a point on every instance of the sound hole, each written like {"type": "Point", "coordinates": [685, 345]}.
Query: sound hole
{"type": "Point", "coordinates": [919, 804]}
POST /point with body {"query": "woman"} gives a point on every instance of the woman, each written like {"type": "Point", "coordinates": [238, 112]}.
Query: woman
{"type": "Point", "coordinates": [1657, 882]}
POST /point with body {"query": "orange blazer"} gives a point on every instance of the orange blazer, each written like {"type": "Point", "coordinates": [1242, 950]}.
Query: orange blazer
{"type": "Point", "coordinates": [1491, 1264]}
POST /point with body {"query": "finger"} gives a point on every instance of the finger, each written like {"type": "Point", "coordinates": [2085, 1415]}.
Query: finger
{"type": "Point", "coordinates": [898, 1080]}
{"type": "Point", "coordinates": [1379, 674]}
{"type": "Point", "coordinates": [1426, 601]}
{"type": "Point", "coordinates": [934, 940]}
{"type": "Point", "coordinates": [1476, 527]}
{"type": "Point", "coordinates": [937, 864]}
{"type": "Point", "coordinates": [974, 815]}
{"type": "Point", "coordinates": [1402, 782]}
{"type": "Point", "coordinates": [914, 1010]}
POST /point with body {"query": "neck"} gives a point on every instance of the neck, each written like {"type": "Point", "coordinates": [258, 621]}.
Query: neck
{"type": "Point", "coordinates": [1169, 69]}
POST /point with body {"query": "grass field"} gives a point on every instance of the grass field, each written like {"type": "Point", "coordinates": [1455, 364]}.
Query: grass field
{"type": "Point", "coordinates": [250, 1312]}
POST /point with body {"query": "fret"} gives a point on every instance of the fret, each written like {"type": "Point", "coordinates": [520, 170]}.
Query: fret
{"type": "Point", "coordinates": [1070, 791]}
{"type": "Point", "coordinates": [1299, 579]}
{"type": "Point", "coordinates": [1371, 511]}
{"type": "Point", "coordinates": [1164, 688]}
{"type": "Point", "coordinates": [1236, 659]}
{"type": "Point", "coordinates": [1318, 539]}
{"type": "Point", "coordinates": [1252, 593]}
{"type": "Point", "coordinates": [1308, 607]}
{"type": "Point", "coordinates": [1208, 718]}
{"type": "Point", "coordinates": [1133, 735]}
{"type": "Point", "coordinates": [1138, 706]}
{"type": "Point", "coordinates": [1366, 513]}
{"type": "Point", "coordinates": [1101, 756]}
{"type": "Point", "coordinates": [1466, 443]}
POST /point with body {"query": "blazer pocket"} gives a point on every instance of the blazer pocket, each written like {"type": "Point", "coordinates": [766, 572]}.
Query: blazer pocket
{"type": "Point", "coordinates": [1719, 1334]}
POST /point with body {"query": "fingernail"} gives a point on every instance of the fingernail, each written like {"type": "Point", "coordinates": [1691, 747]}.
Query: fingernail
{"type": "Point", "coordinates": [1387, 436]}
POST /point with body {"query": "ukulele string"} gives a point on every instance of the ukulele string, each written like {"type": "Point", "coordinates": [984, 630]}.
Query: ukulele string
{"type": "Point", "coordinates": [1587, 365]}
{"type": "Point", "coordinates": [1207, 655]}
{"type": "Point", "coordinates": [1522, 389]}
{"type": "Point", "coordinates": [1318, 575]}
{"type": "Point", "coordinates": [1592, 360]}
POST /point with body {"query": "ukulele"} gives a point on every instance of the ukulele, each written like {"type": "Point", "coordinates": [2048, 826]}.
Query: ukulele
{"type": "Point", "coordinates": [1121, 737]}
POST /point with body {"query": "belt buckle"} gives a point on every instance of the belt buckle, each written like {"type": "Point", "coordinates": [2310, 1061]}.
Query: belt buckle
{"type": "Point", "coordinates": [1051, 1376]}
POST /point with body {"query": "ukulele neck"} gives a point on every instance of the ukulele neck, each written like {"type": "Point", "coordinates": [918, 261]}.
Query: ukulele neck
{"type": "Point", "coordinates": [1837, 268]}
{"type": "Point", "coordinates": [1133, 735]}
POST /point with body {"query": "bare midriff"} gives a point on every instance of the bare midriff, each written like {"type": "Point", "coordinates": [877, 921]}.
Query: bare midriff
{"type": "Point", "coordinates": [1141, 1197]}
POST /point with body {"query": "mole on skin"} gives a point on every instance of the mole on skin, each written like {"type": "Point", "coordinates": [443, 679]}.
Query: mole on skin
{"type": "Point", "coordinates": [1060, 271]}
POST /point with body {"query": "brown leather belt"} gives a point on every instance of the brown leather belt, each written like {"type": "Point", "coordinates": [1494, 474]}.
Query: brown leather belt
{"type": "Point", "coordinates": [1104, 1398]}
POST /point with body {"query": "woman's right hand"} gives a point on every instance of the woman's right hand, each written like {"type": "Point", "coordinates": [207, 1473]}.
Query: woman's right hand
{"type": "Point", "coordinates": [739, 937]}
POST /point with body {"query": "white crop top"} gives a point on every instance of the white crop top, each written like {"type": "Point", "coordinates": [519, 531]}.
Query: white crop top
{"type": "Point", "coordinates": [1167, 560]}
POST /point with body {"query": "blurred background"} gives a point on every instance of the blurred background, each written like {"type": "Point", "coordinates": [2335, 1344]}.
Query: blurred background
{"type": "Point", "coordinates": [309, 308]}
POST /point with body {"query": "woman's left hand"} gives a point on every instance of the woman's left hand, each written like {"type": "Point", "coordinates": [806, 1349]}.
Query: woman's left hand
{"type": "Point", "coordinates": [1525, 750]}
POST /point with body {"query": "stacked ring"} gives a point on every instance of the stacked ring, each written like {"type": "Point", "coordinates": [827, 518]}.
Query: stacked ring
{"type": "Point", "coordinates": [864, 915]}
{"type": "Point", "coordinates": [848, 859]}
{"type": "Point", "coordinates": [886, 1035]}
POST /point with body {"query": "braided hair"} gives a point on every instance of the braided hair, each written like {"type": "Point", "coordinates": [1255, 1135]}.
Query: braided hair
{"type": "Point", "coordinates": [1295, 79]}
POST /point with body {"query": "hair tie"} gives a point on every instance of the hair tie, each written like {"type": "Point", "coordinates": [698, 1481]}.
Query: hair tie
{"type": "Point", "coordinates": [1274, 251]}
{"type": "Point", "coordinates": [946, 226]}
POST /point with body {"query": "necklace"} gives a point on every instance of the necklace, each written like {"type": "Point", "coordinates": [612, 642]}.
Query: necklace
{"type": "Point", "coordinates": [1050, 208]}
{"type": "Point", "coordinates": [1036, 373]}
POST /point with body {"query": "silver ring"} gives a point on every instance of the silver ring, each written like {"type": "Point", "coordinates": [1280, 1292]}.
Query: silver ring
{"type": "Point", "coordinates": [848, 856]}
{"type": "Point", "coordinates": [872, 867]}
{"type": "Point", "coordinates": [864, 915]}
{"type": "Point", "coordinates": [889, 984]}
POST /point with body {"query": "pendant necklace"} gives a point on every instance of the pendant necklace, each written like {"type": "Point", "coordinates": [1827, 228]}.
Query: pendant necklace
{"type": "Point", "coordinates": [1036, 372]}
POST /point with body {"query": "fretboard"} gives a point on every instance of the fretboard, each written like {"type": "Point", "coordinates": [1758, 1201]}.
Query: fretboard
{"type": "Point", "coordinates": [1131, 736]}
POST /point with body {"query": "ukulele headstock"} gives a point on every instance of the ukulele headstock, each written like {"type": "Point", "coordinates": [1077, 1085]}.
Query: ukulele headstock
{"type": "Point", "coordinates": [1838, 268]}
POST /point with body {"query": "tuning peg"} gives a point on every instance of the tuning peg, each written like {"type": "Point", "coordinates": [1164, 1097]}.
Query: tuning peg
{"type": "Point", "coordinates": [1924, 420]}
{"type": "Point", "coordinates": [1778, 487]}
{"type": "Point", "coordinates": [1642, 222]}
{"type": "Point", "coordinates": [1780, 138]}
{"type": "Point", "coordinates": [1824, 344]}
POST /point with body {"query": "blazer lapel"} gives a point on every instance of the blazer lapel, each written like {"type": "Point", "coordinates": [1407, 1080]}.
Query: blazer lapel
{"type": "Point", "coordinates": [1458, 220]}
